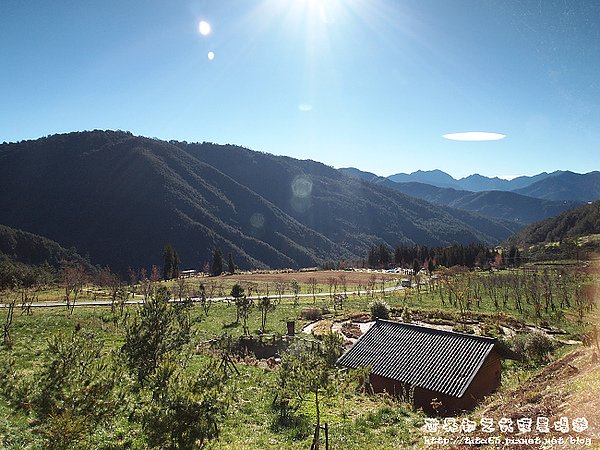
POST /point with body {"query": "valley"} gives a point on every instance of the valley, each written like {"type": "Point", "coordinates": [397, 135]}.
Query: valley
{"type": "Point", "coordinates": [251, 274]}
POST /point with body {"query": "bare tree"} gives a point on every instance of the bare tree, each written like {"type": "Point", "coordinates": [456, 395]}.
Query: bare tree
{"type": "Point", "coordinates": [312, 282]}
{"type": "Point", "coordinates": [279, 288]}
{"type": "Point", "coordinates": [332, 283]}
{"type": "Point", "coordinates": [456, 280]}
{"type": "Point", "coordinates": [205, 301]}
{"type": "Point", "coordinates": [74, 278]}
{"type": "Point", "coordinates": [9, 318]}
{"type": "Point", "coordinates": [295, 287]}
{"type": "Point", "coordinates": [265, 306]}
{"type": "Point", "coordinates": [110, 281]}
{"type": "Point", "coordinates": [372, 282]}
{"type": "Point", "coordinates": [133, 280]}
{"type": "Point", "coordinates": [182, 288]}
{"type": "Point", "coordinates": [29, 295]}
{"type": "Point", "coordinates": [146, 285]}
{"type": "Point", "coordinates": [343, 282]}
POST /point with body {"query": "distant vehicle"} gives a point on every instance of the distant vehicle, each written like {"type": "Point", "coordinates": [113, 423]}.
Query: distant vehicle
{"type": "Point", "coordinates": [405, 283]}
{"type": "Point", "coordinates": [349, 269]}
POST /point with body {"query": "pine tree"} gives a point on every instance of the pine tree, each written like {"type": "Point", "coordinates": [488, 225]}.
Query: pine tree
{"type": "Point", "coordinates": [231, 264]}
{"type": "Point", "coordinates": [171, 262]}
{"type": "Point", "coordinates": [217, 263]}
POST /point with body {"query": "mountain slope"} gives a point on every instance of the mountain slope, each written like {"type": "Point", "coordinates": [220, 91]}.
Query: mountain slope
{"type": "Point", "coordinates": [566, 186]}
{"type": "Point", "coordinates": [23, 247]}
{"type": "Point", "coordinates": [581, 221]}
{"type": "Point", "coordinates": [345, 209]}
{"type": "Point", "coordinates": [512, 206]}
{"type": "Point", "coordinates": [120, 198]}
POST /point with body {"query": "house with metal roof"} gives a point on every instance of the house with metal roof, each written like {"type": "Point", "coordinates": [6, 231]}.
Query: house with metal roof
{"type": "Point", "coordinates": [442, 372]}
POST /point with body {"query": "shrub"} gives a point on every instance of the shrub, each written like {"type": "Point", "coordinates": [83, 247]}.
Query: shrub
{"type": "Point", "coordinates": [312, 314]}
{"type": "Point", "coordinates": [333, 347]}
{"type": "Point", "coordinates": [379, 309]}
{"type": "Point", "coordinates": [533, 347]}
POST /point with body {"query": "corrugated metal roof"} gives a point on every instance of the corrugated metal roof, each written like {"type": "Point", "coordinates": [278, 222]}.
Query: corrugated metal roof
{"type": "Point", "coordinates": [442, 361]}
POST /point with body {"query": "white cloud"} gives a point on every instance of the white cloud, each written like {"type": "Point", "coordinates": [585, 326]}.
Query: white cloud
{"type": "Point", "coordinates": [474, 136]}
{"type": "Point", "coordinates": [305, 107]}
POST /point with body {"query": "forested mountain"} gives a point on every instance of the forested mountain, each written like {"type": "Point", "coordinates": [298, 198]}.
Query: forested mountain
{"type": "Point", "coordinates": [120, 198]}
{"type": "Point", "coordinates": [581, 221]}
{"type": "Point", "coordinates": [504, 205]}
{"type": "Point", "coordinates": [566, 186]}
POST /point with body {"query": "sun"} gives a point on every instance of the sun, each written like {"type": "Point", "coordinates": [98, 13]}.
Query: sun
{"type": "Point", "coordinates": [204, 28]}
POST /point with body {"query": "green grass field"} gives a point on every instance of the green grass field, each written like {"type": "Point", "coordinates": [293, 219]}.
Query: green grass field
{"type": "Point", "coordinates": [356, 420]}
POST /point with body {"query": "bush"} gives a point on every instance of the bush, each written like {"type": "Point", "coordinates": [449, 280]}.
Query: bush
{"type": "Point", "coordinates": [379, 309]}
{"type": "Point", "coordinates": [533, 347]}
{"type": "Point", "coordinates": [333, 347]}
{"type": "Point", "coordinates": [312, 314]}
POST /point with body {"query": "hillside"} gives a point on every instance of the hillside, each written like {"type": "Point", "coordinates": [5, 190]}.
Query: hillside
{"type": "Point", "coordinates": [120, 198]}
{"type": "Point", "coordinates": [566, 186]}
{"type": "Point", "coordinates": [565, 388]}
{"type": "Point", "coordinates": [21, 246]}
{"type": "Point", "coordinates": [346, 210]}
{"type": "Point", "coordinates": [581, 221]}
{"type": "Point", "coordinates": [26, 258]}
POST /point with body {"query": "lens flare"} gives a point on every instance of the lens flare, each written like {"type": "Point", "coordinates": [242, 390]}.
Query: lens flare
{"type": "Point", "coordinates": [302, 186]}
{"type": "Point", "coordinates": [204, 28]}
{"type": "Point", "coordinates": [257, 220]}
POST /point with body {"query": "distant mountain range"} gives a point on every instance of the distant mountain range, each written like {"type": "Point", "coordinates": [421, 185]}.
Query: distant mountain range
{"type": "Point", "coordinates": [495, 204]}
{"type": "Point", "coordinates": [120, 198]}
{"type": "Point", "coordinates": [559, 185]}
{"type": "Point", "coordinates": [475, 182]}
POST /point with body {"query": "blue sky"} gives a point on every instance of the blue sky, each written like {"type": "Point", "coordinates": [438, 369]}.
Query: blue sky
{"type": "Point", "coordinates": [372, 84]}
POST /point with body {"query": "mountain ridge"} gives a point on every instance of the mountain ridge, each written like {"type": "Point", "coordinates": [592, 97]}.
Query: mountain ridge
{"type": "Point", "coordinates": [502, 205]}
{"type": "Point", "coordinates": [120, 198]}
{"type": "Point", "coordinates": [474, 182]}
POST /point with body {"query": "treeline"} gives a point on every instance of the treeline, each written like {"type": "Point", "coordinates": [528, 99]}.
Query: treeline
{"type": "Point", "coordinates": [582, 221]}
{"type": "Point", "coordinates": [472, 255]}
{"type": "Point", "coordinates": [27, 259]}
{"type": "Point", "coordinates": [14, 273]}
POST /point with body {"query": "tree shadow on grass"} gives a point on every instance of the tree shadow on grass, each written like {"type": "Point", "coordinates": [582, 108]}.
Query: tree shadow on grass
{"type": "Point", "coordinates": [295, 426]}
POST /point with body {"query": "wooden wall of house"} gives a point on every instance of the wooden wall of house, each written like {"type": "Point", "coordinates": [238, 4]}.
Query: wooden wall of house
{"type": "Point", "coordinates": [485, 382]}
